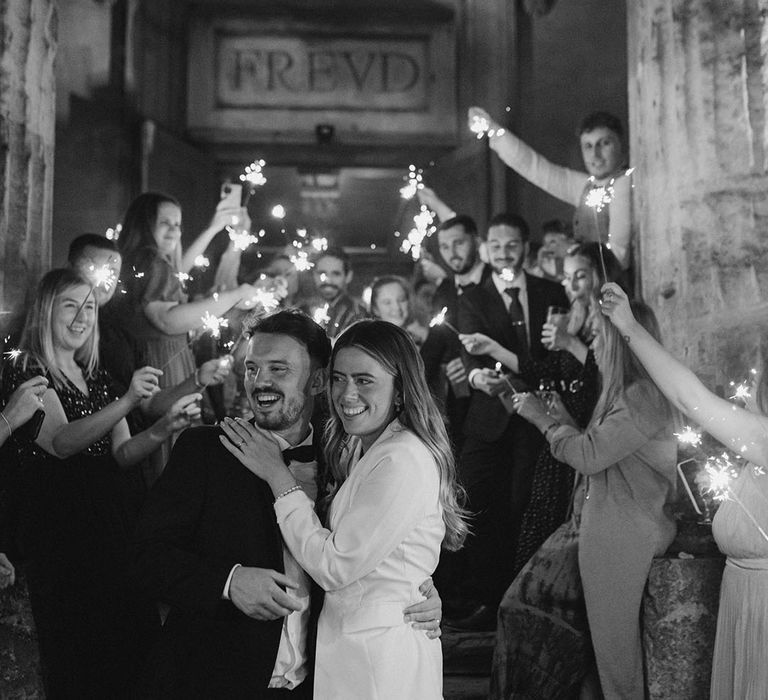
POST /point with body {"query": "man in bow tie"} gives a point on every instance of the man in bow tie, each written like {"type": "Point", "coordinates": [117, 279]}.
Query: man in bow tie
{"type": "Point", "coordinates": [208, 544]}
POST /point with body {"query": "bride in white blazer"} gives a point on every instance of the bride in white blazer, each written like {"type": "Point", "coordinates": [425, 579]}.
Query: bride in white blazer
{"type": "Point", "coordinates": [394, 504]}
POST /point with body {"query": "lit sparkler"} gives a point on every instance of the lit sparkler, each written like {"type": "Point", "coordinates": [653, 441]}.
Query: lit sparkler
{"type": "Point", "coordinates": [183, 277]}
{"type": "Point", "coordinates": [253, 174]}
{"type": "Point", "coordinates": [319, 244]}
{"type": "Point", "coordinates": [439, 320]}
{"type": "Point", "coordinates": [241, 238]}
{"type": "Point", "coordinates": [321, 316]}
{"type": "Point", "coordinates": [278, 211]}
{"type": "Point", "coordinates": [597, 199]}
{"type": "Point", "coordinates": [413, 182]}
{"type": "Point", "coordinates": [689, 436]}
{"type": "Point", "coordinates": [112, 234]}
{"type": "Point", "coordinates": [213, 324]}
{"type": "Point", "coordinates": [423, 228]}
{"type": "Point", "coordinates": [301, 261]}
{"type": "Point", "coordinates": [13, 354]}
{"type": "Point", "coordinates": [741, 392]}
{"type": "Point", "coordinates": [202, 261]}
{"type": "Point", "coordinates": [508, 275]}
{"type": "Point", "coordinates": [102, 276]}
{"type": "Point", "coordinates": [481, 125]}
{"type": "Point", "coordinates": [721, 474]}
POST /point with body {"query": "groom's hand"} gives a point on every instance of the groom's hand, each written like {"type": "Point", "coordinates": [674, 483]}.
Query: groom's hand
{"type": "Point", "coordinates": [258, 593]}
{"type": "Point", "coordinates": [427, 614]}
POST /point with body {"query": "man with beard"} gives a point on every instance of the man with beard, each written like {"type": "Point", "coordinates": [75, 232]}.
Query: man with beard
{"type": "Point", "coordinates": [458, 244]}
{"type": "Point", "coordinates": [332, 274]}
{"type": "Point", "coordinates": [499, 452]}
{"type": "Point", "coordinates": [208, 543]}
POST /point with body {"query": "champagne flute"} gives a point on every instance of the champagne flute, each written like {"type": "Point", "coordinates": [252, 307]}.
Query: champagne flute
{"type": "Point", "coordinates": [557, 316]}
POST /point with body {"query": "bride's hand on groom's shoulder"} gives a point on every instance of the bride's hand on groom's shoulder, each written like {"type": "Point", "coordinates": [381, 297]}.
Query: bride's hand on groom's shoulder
{"type": "Point", "coordinates": [255, 448]}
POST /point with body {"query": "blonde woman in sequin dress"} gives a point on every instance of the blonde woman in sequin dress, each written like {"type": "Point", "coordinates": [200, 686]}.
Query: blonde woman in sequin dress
{"type": "Point", "coordinates": [73, 524]}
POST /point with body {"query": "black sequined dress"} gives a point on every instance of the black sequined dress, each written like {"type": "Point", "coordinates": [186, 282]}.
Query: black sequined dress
{"type": "Point", "coordinates": [72, 528]}
{"type": "Point", "coordinates": [578, 386]}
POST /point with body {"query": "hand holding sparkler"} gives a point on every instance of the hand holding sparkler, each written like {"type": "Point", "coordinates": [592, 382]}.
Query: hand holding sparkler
{"type": "Point", "coordinates": [22, 404]}
{"type": "Point", "coordinates": [480, 123]}
{"type": "Point", "coordinates": [614, 303]}
{"type": "Point", "coordinates": [413, 182]}
{"type": "Point", "coordinates": [144, 384]}
{"type": "Point", "coordinates": [179, 416]}
{"type": "Point", "coordinates": [479, 344]}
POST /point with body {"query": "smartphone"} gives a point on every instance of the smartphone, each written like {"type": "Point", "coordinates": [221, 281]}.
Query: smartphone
{"type": "Point", "coordinates": [31, 429]}
{"type": "Point", "coordinates": [687, 471]}
{"type": "Point", "coordinates": [231, 196]}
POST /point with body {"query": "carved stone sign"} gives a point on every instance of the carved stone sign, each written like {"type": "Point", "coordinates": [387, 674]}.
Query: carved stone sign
{"type": "Point", "coordinates": [277, 79]}
{"type": "Point", "coordinates": [321, 73]}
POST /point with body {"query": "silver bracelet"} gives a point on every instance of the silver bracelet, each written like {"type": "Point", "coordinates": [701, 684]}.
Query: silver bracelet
{"type": "Point", "coordinates": [10, 429]}
{"type": "Point", "coordinates": [287, 491]}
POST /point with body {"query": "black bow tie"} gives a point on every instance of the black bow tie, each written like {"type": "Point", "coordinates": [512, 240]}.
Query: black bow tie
{"type": "Point", "coordinates": [303, 453]}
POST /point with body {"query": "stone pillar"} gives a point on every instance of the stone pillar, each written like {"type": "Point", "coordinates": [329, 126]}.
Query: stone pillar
{"type": "Point", "coordinates": [698, 86]}
{"type": "Point", "coordinates": [27, 117]}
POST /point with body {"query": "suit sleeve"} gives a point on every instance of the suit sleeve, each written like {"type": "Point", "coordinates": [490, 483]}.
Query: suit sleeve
{"type": "Point", "coordinates": [165, 563]}
{"type": "Point", "coordinates": [389, 502]}
{"type": "Point", "coordinates": [633, 421]}
{"type": "Point", "coordinates": [471, 321]}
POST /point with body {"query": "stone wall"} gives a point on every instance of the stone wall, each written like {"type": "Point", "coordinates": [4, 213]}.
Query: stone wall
{"type": "Point", "coordinates": [698, 87]}
{"type": "Point", "coordinates": [27, 104]}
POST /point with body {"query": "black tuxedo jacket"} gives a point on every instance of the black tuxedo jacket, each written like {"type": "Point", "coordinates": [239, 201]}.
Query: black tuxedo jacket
{"type": "Point", "coordinates": [205, 514]}
{"type": "Point", "coordinates": [442, 344]}
{"type": "Point", "coordinates": [482, 310]}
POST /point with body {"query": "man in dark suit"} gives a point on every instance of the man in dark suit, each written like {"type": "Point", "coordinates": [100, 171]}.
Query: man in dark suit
{"type": "Point", "coordinates": [208, 544]}
{"type": "Point", "coordinates": [496, 464]}
{"type": "Point", "coordinates": [458, 244]}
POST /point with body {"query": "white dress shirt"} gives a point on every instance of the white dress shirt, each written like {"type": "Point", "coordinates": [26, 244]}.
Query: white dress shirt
{"type": "Point", "coordinates": [291, 662]}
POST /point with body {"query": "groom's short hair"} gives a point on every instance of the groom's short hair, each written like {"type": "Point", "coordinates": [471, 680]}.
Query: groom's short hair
{"type": "Point", "coordinates": [297, 325]}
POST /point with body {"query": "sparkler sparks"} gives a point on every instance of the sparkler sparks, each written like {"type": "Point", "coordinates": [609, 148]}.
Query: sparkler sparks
{"type": "Point", "coordinates": [112, 234]}
{"type": "Point", "coordinates": [439, 320]}
{"type": "Point", "coordinates": [507, 275]}
{"type": "Point", "coordinates": [278, 211]}
{"type": "Point", "coordinates": [182, 277]}
{"type": "Point", "coordinates": [741, 391]}
{"type": "Point", "coordinates": [599, 197]}
{"type": "Point", "coordinates": [14, 354]}
{"type": "Point", "coordinates": [213, 324]}
{"type": "Point", "coordinates": [242, 238]}
{"type": "Point", "coordinates": [320, 315]}
{"type": "Point", "coordinates": [202, 261]}
{"type": "Point", "coordinates": [301, 261]}
{"type": "Point", "coordinates": [423, 228]}
{"type": "Point", "coordinates": [689, 436]}
{"type": "Point", "coordinates": [253, 174]}
{"type": "Point", "coordinates": [102, 276]}
{"type": "Point", "coordinates": [320, 244]}
{"type": "Point", "coordinates": [413, 182]}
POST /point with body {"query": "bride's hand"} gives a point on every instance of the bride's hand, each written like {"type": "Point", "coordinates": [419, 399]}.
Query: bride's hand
{"type": "Point", "coordinates": [257, 451]}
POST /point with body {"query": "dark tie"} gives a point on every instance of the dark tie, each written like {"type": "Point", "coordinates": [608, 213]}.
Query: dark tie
{"type": "Point", "coordinates": [517, 319]}
{"type": "Point", "coordinates": [303, 453]}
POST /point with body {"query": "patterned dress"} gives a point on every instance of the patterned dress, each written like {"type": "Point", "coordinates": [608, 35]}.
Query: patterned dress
{"type": "Point", "coordinates": [73, 526]}
{"type": "Point", "coordinates": [147, 278]}
{"type": "Point", "coordinates": [553, 481]}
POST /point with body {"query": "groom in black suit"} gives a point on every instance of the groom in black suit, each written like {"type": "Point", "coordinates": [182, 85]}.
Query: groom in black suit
{"type": "Point", "coordinates": [208, 544]}
{"type": "Point", "coordinates": [496, 463]}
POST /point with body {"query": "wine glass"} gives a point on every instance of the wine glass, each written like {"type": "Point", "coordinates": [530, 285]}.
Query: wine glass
{"type": "Point", "coordinates": [558, 316]}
